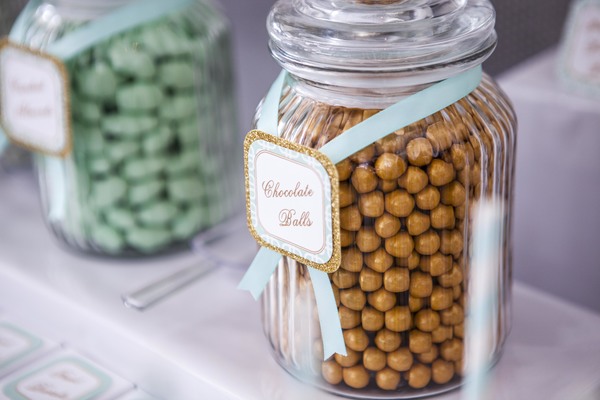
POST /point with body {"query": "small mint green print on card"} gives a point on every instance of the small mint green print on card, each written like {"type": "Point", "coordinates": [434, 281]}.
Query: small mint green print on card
{"type": "Point", "coordinates": [65, 379]}
{"type": "Point", "coordinates": [15, 344]}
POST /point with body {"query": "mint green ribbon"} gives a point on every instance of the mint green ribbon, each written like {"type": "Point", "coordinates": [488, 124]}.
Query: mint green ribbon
{"type": "Point", "coordinates": [85, 37]}
{"type": "Point", "coordinates": [121, 20]}
{"type": "Point", "coordinates": [398, 116]}
{"type": "Point", "coordinates": [265, 262]}
{"type": "Point", "coordinates": [3, 142]}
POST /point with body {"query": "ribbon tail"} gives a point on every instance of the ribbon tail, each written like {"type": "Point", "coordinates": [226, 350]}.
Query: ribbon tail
{"type": "Point", "coordinates": [3, 142]}
{"type": "Point", "coordinates": [55, 174]}
{"type": "Point", "coordinates": [269, 115]}
{"type": "Point", "coordinates": [260, 271]}
{"type": "Point", "coordinates": [331, 328]}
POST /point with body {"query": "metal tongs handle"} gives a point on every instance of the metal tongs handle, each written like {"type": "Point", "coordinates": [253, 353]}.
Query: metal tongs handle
{"type": "Point", "coordinates": [164, 287]}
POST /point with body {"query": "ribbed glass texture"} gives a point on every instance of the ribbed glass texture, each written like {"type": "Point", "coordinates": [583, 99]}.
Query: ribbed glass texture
{"type": "Point", "coordinates": [407, 204]}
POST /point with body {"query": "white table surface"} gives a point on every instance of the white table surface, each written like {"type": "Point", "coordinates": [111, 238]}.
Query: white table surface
{"type": "Point", "coordinates": [557, 189]}
{"type": "Point", "coordinates": [207, 343]}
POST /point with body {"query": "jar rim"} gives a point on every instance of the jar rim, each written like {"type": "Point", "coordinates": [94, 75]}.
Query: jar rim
{"type": "Point", "coordinates": [398, 39]}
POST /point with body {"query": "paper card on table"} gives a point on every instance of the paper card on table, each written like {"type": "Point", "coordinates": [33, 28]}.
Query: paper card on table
{"type": "Point", "coordinates": [34, 100]}
{"type": "Point", "coordinates": [19, 347]}
{"type": "Point", "coordinates": [64, 379]}
{"type": "Point", "coordinates": [292, 200]}
{"type": "Point", "coordinates": [66, 376]}
{"type": "Point", "coordinates": [15, 344]}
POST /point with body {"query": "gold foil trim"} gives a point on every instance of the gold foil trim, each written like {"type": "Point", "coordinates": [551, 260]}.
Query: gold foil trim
{"type": "Point", "coordinates": [336, 258]}
{"type": "Point", "coordinates": [66, 100]}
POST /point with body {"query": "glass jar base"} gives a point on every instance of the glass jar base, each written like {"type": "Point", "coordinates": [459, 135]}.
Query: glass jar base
{"type": "Point", "coordinates": [398, 394]}
{"type": "Point", "coordinates": [372, 392]}
{"type": "Point", "coordinates": [87, 249]}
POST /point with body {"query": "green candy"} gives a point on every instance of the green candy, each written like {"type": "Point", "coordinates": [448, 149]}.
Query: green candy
{"type": "Point", "coordinates": [129, 60]}
{"type": "Point", "coordinates": [148, 240]}
{"type": "Point", "coordinates": [146, 191]}
{"type": "Point", "coordinates": [120, 218]}
{"type": "Point", "coordinates": [84, 59]}
{"type": "Point", "coordinates": [108, 192]}
{"type": "Point", "coordinates": [139, 97]}
{"type": "Point", "coordinates": [142, 168]}
{"type": "Point", "coordinates": [99, 166]}
{"type": "Point", "coordinates": [87, 111]}
{"type": "Point", "coordinates": [79, 133]}
{"type": "Point", "coordinates": [176, 74]}
{"type": "Point", "coordinates": [185, 189]}
{"type": "Point", "coordinates": [158, 140]}
{"type": "Point", "coordinates": [94, 141]}
{"type": "Point", "coordinates": [160, 40]}
{"type": "Point", "coordinates": [157, 213]}
{"type": "Point", "coordinates": [188, 132]}
{"type": "Point", "coordinates": [121, 151]}
{"type": "Point", "coordinates": [186, 163]}
{"type": "Point", "coordinates": [98, 83]}
{"type": "Point", "coordinates": [128, 126]}
{"type": "Point", "coordinates": [190, 222]}
{"type": "Point", "coordinates": [107, 238]}
{"type": "Point", "coordinates": [179, 107]}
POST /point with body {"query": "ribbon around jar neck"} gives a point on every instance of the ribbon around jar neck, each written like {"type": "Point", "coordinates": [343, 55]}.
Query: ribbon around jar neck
{"type": "Point", "coordinates": [83, 38]}
{"type": "Point", "coordinates": [405, 112]}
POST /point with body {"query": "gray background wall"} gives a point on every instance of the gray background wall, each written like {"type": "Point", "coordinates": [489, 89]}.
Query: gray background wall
{"type": "Point", "coordinates": [524, 28]}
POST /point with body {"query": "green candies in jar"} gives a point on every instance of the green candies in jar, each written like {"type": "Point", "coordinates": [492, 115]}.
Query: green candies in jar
{"type": "Point", "coordinates": [153, 160]}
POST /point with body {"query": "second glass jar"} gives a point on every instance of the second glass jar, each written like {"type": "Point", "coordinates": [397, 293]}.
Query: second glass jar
{"type": "Point", "coordinates": [154, 131]}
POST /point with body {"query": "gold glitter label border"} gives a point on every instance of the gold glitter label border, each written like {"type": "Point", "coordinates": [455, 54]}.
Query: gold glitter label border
{"type": "Point", "coordinates": [66, 103]}
{"type": "Point", "coordinates": [336, 258]}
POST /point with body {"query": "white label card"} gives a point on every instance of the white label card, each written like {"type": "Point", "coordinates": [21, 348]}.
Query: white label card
{"type": "Point", "coordinates": [34, 100]}
{"type": "Point", "coordinates": [68, 379]}
{"type": "Point", "coordinates": [15, 344]}
{"type": "Point", "coordinates": [292, 200]}
{"type": "Point", "coordinates": [582, 52]}
{"type": "Point", "coordinates": [12, 344]}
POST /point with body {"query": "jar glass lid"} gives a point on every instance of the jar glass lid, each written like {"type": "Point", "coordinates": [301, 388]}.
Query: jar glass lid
{"type": "Point", "coordinates": [384, 36]}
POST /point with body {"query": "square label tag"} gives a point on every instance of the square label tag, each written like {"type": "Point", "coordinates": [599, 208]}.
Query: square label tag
{"type": "Point", "coordinates": [68, 378]}
{"type": "Point", "coordinates": [15, 344]}
{"type": "Point", "coordinates": [34, 100]}
{"type": "Point", "coordinates": [581, 47]}
{"type": "Point", "coordinates": [292, 200]}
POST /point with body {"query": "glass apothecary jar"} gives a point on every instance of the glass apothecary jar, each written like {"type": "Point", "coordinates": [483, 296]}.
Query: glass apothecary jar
{"type": "Point", "coordinates": [153, 129]}
{"type": "Point", "coordinates": [406, 201]}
